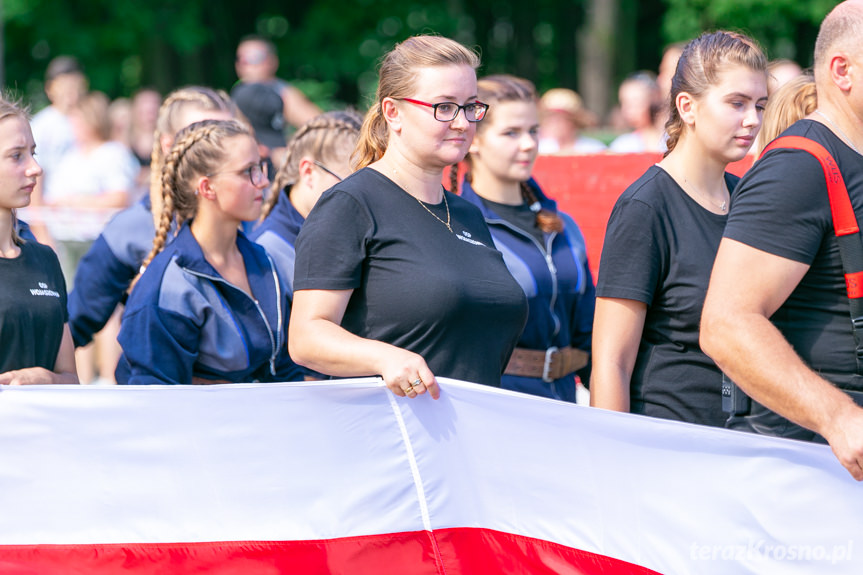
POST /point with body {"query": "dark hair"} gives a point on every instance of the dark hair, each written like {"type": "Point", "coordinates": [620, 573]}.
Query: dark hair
{"type": "Point", "coordinates": [61, 65]}
{"type": "Point", "coordinates": [328, 138]}
{"type": "Point", "coordinates": [647, 79]}
{"type": "Point", "coordinates": [699, 66]}
{"type": "Point", "coordinates": [396, 80]}
{"type": "Point", "coordinates": [497, 89]}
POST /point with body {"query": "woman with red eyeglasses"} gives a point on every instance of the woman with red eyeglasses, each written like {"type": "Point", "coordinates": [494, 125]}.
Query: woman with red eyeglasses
{"type": "Point", "coordinates": [395, 276]}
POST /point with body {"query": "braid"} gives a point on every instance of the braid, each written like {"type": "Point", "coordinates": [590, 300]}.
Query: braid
{"type": "Point", "coordinates": [327, 137]}
{"type": "Point", "coordinates": [287, 174]}
{"type": "Point", "coordinates": [453, 178]}
{"type": "Point", "coordinates": [546, 220]}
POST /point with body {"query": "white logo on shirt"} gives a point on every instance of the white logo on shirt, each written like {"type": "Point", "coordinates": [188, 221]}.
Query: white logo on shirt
{"type": "Point", "coordinates": [44, 291]}
{"type": "Point", "coordinates": [466, 237]}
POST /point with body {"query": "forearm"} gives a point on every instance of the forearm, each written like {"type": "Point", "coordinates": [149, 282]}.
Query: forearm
{"type": "Point", "coordinates": [38, 376]}
{"type": "Point", "coordinates": [609, 386]}
{"type": "Point", "coordinates": [617, 331]}
{"type": "Point", "coordinates": [328, 348]}
{"type": "Point", "coordinates": [750, 350]}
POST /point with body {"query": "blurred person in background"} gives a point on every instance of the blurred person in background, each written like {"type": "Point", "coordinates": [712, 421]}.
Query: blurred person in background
{"type": "Point", "coordinates": [780, 72]}
{"type": "Point", "coordinates": [257, 63]}
{"type": "Point", "coordinates": [318, 157]}
{"type": "Point", "coordinates": [642, 110]}
{"type": "Point", "coordinates": [107, 269]}
{"type": "Point", "coordinates": [667, 68]}
{"type": "Point", "coordinates": [562, 118]}
{"type": "Point", "coordinates": [262, 107]}
{"type": "Point", "coordinates": [794, 100]}
{"type": "Point", "coordinates": [94, 181]}
{"type": "Point", "coordinates": [142, 126]}
{"type": "Point", "coordinates": [65, 85]}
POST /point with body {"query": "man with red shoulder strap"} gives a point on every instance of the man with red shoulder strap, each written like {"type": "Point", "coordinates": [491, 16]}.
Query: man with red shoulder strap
{"type": "Point", "coordinates": [777, 318]}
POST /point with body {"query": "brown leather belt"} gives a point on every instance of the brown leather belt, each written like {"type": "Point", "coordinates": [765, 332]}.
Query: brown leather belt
{"type": "Point", "coordinates": [549, 364]}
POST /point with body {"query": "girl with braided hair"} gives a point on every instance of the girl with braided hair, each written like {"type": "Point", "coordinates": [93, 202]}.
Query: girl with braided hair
{"type": "Point", "coordinates": [112, 262]}
{"type": "Point", "coordinates": [210, 306]}
{"type": "Point", "coordinates": [542, 247]}
{"type": "Point", "coordinates": [317, 157]}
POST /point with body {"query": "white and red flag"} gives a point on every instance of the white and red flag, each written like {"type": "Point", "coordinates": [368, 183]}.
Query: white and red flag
{"type": "Point", "coordinates": [343, 477]}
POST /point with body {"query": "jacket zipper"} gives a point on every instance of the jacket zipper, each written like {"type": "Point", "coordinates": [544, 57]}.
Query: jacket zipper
{"type": "Point", "coordinates": [549, 262]}
{"type": "Point", "coordinates": [274, 340]}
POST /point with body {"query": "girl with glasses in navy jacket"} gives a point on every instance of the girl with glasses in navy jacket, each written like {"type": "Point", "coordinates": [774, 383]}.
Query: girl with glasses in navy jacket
{"type": "Point", "coordinates": [210, 307]}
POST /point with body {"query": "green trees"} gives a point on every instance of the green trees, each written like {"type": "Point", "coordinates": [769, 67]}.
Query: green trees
{"type": "Point", "coordinates": [330, 47]}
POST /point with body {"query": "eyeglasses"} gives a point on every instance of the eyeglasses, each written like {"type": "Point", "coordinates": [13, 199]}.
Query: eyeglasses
{"type": "Point", "coordinates": [257, 173]}
{"type": "Point", "coordinates": [327, 170]}
{"type": "Point", "coordinates": [447, 111]}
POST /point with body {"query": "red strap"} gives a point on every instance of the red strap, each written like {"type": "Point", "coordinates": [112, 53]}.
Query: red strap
{"type": "Point", "coordinates": [844, 220]}
{"type": "Point", "coordinates": [854, 285]}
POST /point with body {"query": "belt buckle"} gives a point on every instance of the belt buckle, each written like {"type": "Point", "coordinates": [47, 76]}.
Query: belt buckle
{"type": "Point", "coordinates": [546, 366]}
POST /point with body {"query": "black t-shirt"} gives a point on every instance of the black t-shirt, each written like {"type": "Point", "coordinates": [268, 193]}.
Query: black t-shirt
{"type": "Point", "coordinates": [32, 308]}
{"type": "Point", "coordinates": [519, 215]}
{"type": "Point", "coordinates": [659, 249]}
{"type": "Point", "coordinates": [446, 296]}
{"type": "Point", "coordinates": [782, 208]}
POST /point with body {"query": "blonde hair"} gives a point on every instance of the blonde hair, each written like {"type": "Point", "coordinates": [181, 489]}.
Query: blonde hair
{"type": "Point", "coordinates": [700, 65]}
{"type": "Point", "coordinates": [177, 102]}
{"type": "Point", "coordinates": [13, 107]}
{"type": "Point", "coordinates": [396, 79]}
{"type": "Point", "coordinates": [198, 150]}
{"type": "Point", "coordinates": [495, 90]}
{"type": "Point", "coordinates": [793, 100]}
{"type": "Point", "coordinates": [93, 108]}
{"type": "Point", "coordinates": [329, 138]}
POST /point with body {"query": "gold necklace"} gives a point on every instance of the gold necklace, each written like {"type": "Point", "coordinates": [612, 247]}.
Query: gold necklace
{"type": "Point", "coordinates": [445, 203]}
{"type": "Point", "coordinates": [723, 205]}
{"type": "Point", "coordinates": [425, 207]}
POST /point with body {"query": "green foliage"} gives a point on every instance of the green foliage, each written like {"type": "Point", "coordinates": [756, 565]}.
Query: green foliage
{"type": "Point", "coordinates": [785, 28]}
{"type": "Point", "coordinates": [330, 48]}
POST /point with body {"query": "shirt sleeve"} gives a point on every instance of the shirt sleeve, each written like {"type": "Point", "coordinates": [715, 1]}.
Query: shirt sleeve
{"type": "Point", "coordinates": [781, 206]}
{"type": "Point", "coordinates": [160, 346]}
{"type": "Point", "coordinates": [100, 284]}
{"type": "Point", "coordinates": [332, 244]}
{"type": "Point", "coordinates": [632, 259]}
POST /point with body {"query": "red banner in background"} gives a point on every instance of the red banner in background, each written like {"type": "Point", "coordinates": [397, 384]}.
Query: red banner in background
{"type": "Point", "coordinates": [587, 186]}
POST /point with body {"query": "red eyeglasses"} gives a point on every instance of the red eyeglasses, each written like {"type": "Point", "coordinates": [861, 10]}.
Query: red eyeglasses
{"type": "Point", "coordinates": [447, 111]}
